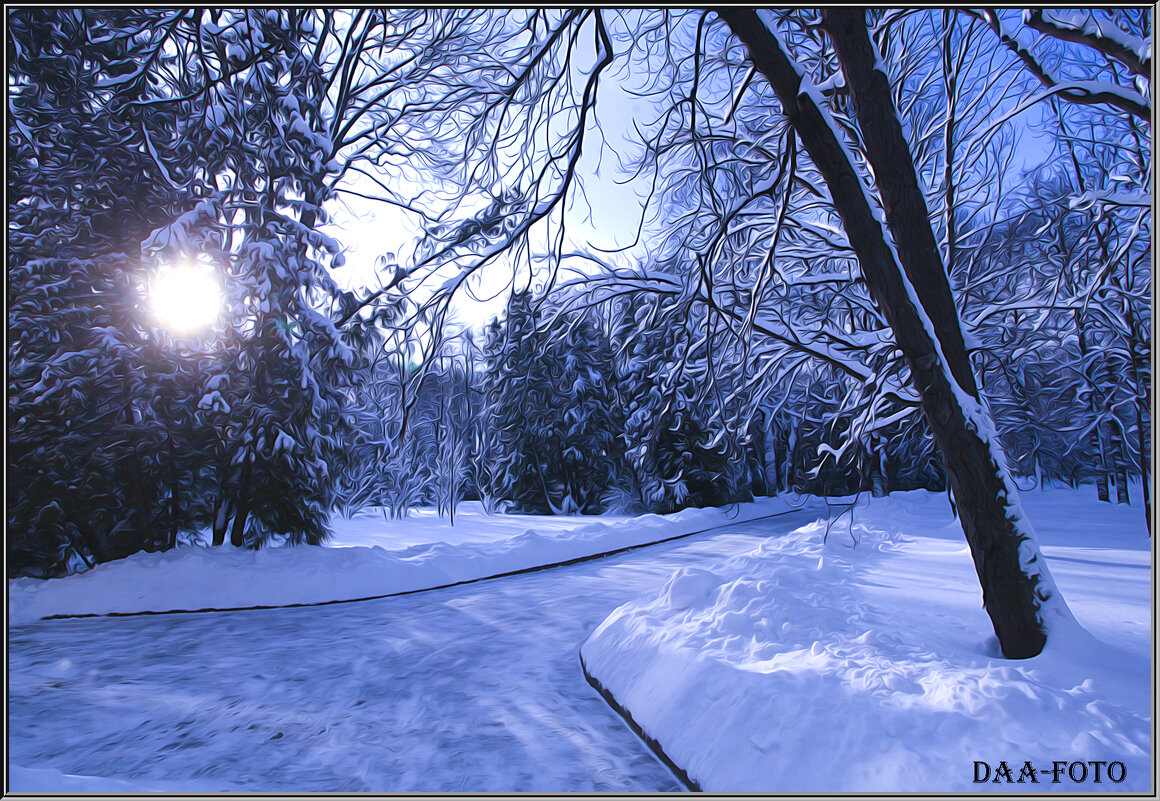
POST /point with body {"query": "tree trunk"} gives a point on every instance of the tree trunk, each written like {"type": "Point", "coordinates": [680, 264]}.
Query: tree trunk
{"type": "Point", "coordinates": [1122, 487]}
{"type": "Point", "coordinates": [792, 448]}
{"type": "Point", "coordinates": [951, 95]}
{"type": "Point", "coordinates": [1145, 484]}
{"type": "Point", "coordinates": [927, 332]}
{"type": "Point", "coordinates": [142, 536]}
{"type": "Point", "coordinates": [876, 458]}
{"type": "Point", "coordinates": [174, 491]}
{"type": "Point", "coordinates": [221, 520]}
{"type": "Point", "coordinates": [222, 506]}
{"type": "Point", "coordinates": [95, 544]}
{"type": "Point", "coordinates": [758, 457]}
{"type": "Point", "coordinates": [1105, 438]}
{"type": "Point", "coordinates": [238, 533]}
{"type": "Point", "coordinates": [775, 436]}
{"type": "Point", "coordinates": [1120, 459]}
{"type": "Point", "coordinates": [1139, 354]}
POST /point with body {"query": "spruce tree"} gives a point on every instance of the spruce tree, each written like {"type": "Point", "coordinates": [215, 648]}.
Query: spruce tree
{"type": "Point", "coordinates": [676, 457]}
{"type": "Point", "coordinates": [86, 184]}
{"type": "Point", "coordinates": [554, 431]}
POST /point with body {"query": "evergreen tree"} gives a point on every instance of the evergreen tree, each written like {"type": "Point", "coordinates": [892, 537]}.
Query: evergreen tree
{"type": "Point", "coordinates": [676, 455]}
{"type": "Point", "coordinates": [288, 363]}
{"type": "Point", "coordinates": [553, 430]}
{"type": "Point", "coordinates": [141, 139]}
{"type": "Point", "coordinates": [86, 184]}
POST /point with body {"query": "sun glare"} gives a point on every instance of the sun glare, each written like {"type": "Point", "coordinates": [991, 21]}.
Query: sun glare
{"type": "Point", "coordinates": [186, 298]}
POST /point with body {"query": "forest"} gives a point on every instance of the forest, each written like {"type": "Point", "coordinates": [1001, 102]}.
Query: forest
{"type": "Point", "coordinates": [874, 252]}
{"type": "Point", "coordinates": [579, 400]}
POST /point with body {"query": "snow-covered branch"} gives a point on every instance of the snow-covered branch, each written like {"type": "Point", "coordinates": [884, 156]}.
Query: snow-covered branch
{"type": "Point", "coordinates": [1081, 27]}
{"type": "Point", "coordinates": [1082, 92]}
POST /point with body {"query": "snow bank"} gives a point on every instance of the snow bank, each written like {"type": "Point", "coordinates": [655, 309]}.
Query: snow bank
{"type": "Point", "coordinates": [816, 664]}
{"type": "Point", "coordinates": [369, 557]}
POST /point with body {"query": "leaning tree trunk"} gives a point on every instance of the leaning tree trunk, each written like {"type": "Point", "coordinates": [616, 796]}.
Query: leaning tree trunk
{"type": "Point", "coordinates": [925, 323]}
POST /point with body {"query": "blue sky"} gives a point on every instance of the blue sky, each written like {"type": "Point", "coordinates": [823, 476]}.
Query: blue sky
{"type": "Point", "coordinates": [608, 214]}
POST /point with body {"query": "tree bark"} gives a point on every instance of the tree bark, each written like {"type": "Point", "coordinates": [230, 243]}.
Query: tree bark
{"type": "Point", "coordinates": [876, 459]}
{"type": "Point", "coordinates": [142, 536]}
{"type": "Point", "coordinates": [1122, 487]}
{"type": "Point", "coordinates": [174, 490]}
{"type": "Point", "coordinates": [221, 519]}
{"type": "Point", "coordinates": [1145, 483]}
{"type": "Point", "coordinates": [780, 457]}
{"type": "Point", "coordinates": [792, 447]}
{"type": "Point", "coordinates": [238, 532]}
{"type": "Point", "coordinates": [95, 544]}
{"type": "Point", "coordinates": [936, 354]}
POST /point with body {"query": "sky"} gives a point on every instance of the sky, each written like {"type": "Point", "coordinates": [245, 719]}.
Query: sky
{"type": "Point", "coordinates": [609, 213]}
{"type": "Point", "coordinates": [607, 217]}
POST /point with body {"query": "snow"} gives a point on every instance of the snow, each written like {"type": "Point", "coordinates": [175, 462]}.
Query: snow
{"type": "Point", "coordinates": [368, 556]}
{"type": "Point", "coordinates": [1083, 22]}
{"type": "Point", "coordinates": [1108, 88]}
{"type": "Point", "coordinates": [470, 688]}
{"type": "Point", "coordinates": [792, 653]}
{"type": "Point", "coordinates": [1122, 198]}
{"type": "Point", "coordinates": [48, 780]}
{"type": "Point", "coordinates": [862, 661]}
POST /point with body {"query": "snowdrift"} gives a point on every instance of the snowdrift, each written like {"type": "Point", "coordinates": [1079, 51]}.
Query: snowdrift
{"type": "Point", "coordinates": [367, 557]}
{"type": "Point", "coordinates": [859, 659]}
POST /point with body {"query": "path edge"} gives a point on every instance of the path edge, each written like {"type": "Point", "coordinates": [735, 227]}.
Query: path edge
{"type": "Point", "coordinates": [689, 782]}
{"type": "Point", "coordinates": [517, 572]}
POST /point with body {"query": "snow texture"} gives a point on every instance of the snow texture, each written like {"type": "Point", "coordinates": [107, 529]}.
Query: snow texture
{"type": "Point", "coordinates": [1083, 22]}
{"type": "Point", "coordinates": [473, 688]}
{"type": "Point", "coordinates": [862, 661]}
{"type": "Point", "coordinates": [368, 557]}
{"type": "Point", "coordinates": [765, 656]}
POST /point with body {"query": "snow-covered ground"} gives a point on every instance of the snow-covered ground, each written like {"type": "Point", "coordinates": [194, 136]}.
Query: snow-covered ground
{"type": "Point", "coordinates": [368, 556]}
{"type": "Point", "coordinates": [470, 688]}
{"type": "Point", "coordinates": [759, 656]}
{"type": "Point", "coordinates": [862, 661]}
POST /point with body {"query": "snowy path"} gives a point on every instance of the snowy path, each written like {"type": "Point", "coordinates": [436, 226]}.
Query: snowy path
{"type": "Point", "coordinates": [474, 688]}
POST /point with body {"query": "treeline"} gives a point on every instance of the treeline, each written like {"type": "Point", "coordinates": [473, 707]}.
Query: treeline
{"type": "Point", "coordinates": [585, 403]}
{"type": "Point", "coordinates": [613, 408]}
{"type": "Point", "coordinates": [745, 357]}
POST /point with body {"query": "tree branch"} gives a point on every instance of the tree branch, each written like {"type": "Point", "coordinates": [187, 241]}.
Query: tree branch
{"type": "Point", "coordinates": [1097, 39]}
{"type": "Point", "coordinates": [1082, 93]}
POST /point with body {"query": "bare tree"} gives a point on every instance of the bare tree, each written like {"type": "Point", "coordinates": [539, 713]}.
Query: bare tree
{"type": "Point", "coordinates": [744, 216]}
{"type": "Point", "coordinates": [1109, 40]}
{"type": "Point", "coordinates": [901, 263]}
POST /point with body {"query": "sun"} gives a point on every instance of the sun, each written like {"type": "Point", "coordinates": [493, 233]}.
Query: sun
{"type": "Point", "coordinates": [186, 297]}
